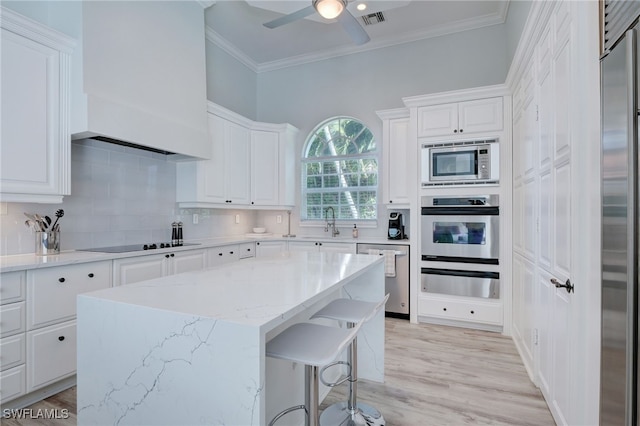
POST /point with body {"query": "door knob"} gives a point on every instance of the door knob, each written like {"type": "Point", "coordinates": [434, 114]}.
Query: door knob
{"type": "Point", "coordinates": [568, 286]}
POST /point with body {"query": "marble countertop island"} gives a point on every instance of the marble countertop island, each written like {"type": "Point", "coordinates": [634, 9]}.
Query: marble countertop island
{"type": "Point", "coordinates": [190, 348]}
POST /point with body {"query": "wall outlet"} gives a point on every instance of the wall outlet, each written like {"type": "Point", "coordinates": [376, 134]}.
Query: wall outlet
{"type": "Point", "coordinates": [237, 218]}
{"type": "Point", "coordinates": [279, 218]}
{"type": "Point", "coordinates": [196, 218]}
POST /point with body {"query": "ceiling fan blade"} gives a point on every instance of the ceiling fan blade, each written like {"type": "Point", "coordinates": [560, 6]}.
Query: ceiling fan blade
{"type": "Point", "coordinates": [302, 13]}
{"type": "Point", "coordinates": [351, 25]}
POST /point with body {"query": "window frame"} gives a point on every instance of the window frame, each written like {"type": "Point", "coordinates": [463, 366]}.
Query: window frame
{"type": "Point", "coordinates": [304, 160]}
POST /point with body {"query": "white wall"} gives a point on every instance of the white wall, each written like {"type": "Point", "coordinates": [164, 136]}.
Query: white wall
{"type": "Point", "coordinates": [230, 83]}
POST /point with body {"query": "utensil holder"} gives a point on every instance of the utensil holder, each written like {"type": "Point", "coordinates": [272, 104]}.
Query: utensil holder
{"type": "Point", "coordinates": [47, 242]}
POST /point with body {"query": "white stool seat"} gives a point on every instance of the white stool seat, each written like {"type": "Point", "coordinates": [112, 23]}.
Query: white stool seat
{"type": "Point", "coordinates": [310, 344]}
{"type": "Point", "coordinates": [349, 310]}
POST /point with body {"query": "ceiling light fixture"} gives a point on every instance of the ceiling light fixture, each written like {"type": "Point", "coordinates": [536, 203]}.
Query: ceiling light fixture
{"type": "Point", "coordinates": [361, 6]}
{"type": "Point", "coordinates": [329, 9]}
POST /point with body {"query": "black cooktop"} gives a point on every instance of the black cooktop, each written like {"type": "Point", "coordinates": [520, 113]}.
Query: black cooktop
{"type": "Point", "coordinates": [137, 247]}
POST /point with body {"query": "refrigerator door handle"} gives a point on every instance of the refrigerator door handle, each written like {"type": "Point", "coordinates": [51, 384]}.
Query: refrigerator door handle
{"type": "Point", "coordinates": [567, 285]}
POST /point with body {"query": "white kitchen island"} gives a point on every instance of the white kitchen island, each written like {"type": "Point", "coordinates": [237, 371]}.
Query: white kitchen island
{"type": "Point", "coordinates": [189, 349]}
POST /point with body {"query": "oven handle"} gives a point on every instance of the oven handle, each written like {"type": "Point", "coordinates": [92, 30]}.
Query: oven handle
{"type": "Point", "coordinates": [460, 211]}
{"type": "Point", "coordinates": [458, 273]}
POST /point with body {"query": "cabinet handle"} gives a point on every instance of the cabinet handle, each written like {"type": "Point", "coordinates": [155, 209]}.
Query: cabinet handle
{"type": "Point", "coordinates": [256, 244]}
{"type": "Point", "coordinates": [316, 244]}
{"type": "Point", "coordinates": [166, 255]}
{"type": "Point", "coordinates": [219, 254]}
{"type": "Point", "coordinates": [252, 202]}
{"type": "Point", "coordinates": [230, 252]}
{"type": "Point", "coordinates": [461, 130]}
{"type": "Point", "coordinates": [390, 201]}
{"type": "Point", "coordinates": [455, 131]}
{"type": "Point", "coordinates": [248, 249]}
{"type": "Point", "coordinates": [444, 309]}
{"type": "Point", "coordinates": [61, 279]}
{"type": "Point", "coordinates": [91, 275]}
{"type": "Point", "coordinates": [319, 244]}
{"type": "Point", "coordinates": [172, 255]}
{"type": "Point", "coordinates": [61, 338]}
{"type": "Point", "coordinates": [472, 312]}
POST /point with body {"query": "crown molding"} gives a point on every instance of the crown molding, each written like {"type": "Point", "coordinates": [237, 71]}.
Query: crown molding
{"type": "Point", "coordinates": [19, 24]}
{"type": "Point", "coordinates": [230, 48]}
{"type": "Point", "coordinates": [464, 25]}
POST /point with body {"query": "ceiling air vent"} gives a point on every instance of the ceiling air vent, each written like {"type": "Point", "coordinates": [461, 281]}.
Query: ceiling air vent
{"type": "Point", "coordinates": [373, 18]}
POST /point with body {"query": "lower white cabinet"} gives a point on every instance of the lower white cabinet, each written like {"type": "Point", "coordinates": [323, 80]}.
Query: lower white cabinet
{"type": "Point", "coordinates": [461, 309]}
{"type": "Point", "coordinates": [323, 246]}
{"type": "Point", "coordinates": [13, 383]}
{"type": "Point", "coordinates": [51, 354]}
{"type": "Point", "coordinates": [268, 248]}
{"type": "Point", "coordinates": [52, 291]}
{"type": "Point", "coordinates": [223, 254]}
{"type": "Point", "coordinates": [12, 351]}
{"type": "Point", "coordinates": [140, 268]}
{"type": "Point", "coordinates": [12, 319]}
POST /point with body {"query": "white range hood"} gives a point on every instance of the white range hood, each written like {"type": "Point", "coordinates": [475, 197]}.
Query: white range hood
{"type": "Point", "coordinates": [143, 76]}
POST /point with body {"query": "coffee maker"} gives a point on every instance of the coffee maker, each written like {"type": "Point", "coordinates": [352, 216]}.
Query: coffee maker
{"type": "Point", "coordinates": [396, 226]}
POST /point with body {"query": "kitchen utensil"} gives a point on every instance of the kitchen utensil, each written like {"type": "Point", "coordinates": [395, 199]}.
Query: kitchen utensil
{"type": "Point", "coordinates": [31, 225]}
{"type": "Point", "coordinates": [48, 220]}
{"type": "Point", "coordinates": [59, 214]}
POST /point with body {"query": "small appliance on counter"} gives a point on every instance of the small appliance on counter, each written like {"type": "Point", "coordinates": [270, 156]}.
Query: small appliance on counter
{"type": "Point", "coordinates": [396, 226]}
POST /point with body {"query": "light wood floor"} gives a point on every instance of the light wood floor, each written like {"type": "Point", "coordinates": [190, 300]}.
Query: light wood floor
{"type": "Point", "coordinates": [435, 375]}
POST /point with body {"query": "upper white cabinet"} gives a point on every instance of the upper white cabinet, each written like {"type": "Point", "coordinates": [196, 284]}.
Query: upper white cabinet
{"type": "Point", "coordinates": [252, 165]}
{"type": "Point", "coordinates": [398, 180]}
{"type": "Point", "coordinates": [482, 115]}
{"type": "Point", "coordinates": [36, 146]}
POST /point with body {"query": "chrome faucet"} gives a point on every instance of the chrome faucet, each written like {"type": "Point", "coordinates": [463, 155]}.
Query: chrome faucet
{"type": "Point", "coordinates": [332, 225]}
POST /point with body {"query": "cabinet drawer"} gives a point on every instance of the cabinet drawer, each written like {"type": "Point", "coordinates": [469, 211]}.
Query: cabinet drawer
{"type": "Point", "coordinates": [12, 319]}
{"type": "Point", "coordinates": [246, 250]}
{"type": "Point", "coordinates": [12, 287]}
{"type": "Point", "coordinates": [461, 310]}
{"type": "Point", "coordinates": [12, 383]}
{"type": "Point", "coordinates": [12, 351]}
{"type": "Point", "coordinates": [53, 291]}
{"type": "Point", "coordinates": [51, 354]}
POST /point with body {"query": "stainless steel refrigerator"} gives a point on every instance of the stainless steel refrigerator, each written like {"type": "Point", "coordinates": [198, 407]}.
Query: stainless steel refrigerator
{"type": "Point", "coordinates": [619, 348]}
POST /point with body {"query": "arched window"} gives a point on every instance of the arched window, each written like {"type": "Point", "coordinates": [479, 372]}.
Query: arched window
{"type": "Point", "coordinates": [340, 170]}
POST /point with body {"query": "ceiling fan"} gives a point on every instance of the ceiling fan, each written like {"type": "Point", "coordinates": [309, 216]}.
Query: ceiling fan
{"type": "Point", "coordinates": [328, 9]}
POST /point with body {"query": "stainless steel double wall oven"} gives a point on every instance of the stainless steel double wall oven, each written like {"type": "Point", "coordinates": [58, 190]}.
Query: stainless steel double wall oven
{"type": "Point", "coordinates": [461, 230]}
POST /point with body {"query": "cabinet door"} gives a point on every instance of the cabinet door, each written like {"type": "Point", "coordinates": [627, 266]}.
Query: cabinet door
{"type": "Point", "coordinates": [211, 172]}
{"type": "Point", "coordinates": [269, 248]}
{"type": "Point", "coordinates": [135, 269]}
{"type": "Point", "coordinates": [264, 168]}
{"type": "Point", "coordinates": [186, 261]}
{"type": "Point", "coordinates": [303, 246]}
{"type": "Point", "coordinates": [52, 291]}
{"type": "Point", "coordinates": [51, 354]}
{"type": "Point", "coordinates": [438, 120]}
{"type": "Point", "coordinates": [35, 149]}
{"type": "Point", "coordinates": [483, 115]}
{"type": "Point", "coordinates": [338, 247]}
{"type": "Point", "coordinates": [237, 162]}
{"type": "Point", "coordinates": [398, 156]}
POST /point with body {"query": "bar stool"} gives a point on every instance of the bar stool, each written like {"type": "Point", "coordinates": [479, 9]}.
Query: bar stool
{"type": "Point", "coordinates": [354, 313]}
{"type": "Point", "coordinates": [313, 345]}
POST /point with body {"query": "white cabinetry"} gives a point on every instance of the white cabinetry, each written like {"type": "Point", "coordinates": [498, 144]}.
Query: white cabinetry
{"type": "Point", "coordinates": [36, 145]}
{"type": "Point", "coordinates": [12, 336]}
{"type": "Point", "coordinates": [462, 118]}
{"type": "Point", "coordinates": [398, 177]}
{"type": "Point", "coordinates": [461, 309]}
{"type": "Point", "coordinates": [252, 165]}
{"type": "Point", "coordinates": [140, 268]}
{"type": "Point", "coordinates": [51, 312]}
{"type": "Point", "coordinates": [323, 246]}
{"type": "Point", "coordinates": [268, 248]}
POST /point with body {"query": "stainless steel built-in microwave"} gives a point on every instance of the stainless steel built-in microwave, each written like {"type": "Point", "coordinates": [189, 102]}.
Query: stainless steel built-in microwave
{"type": "Point", "coordinates": [455, 163]}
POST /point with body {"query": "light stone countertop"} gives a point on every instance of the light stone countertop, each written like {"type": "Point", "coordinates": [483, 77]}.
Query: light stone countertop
{"type": "Point", "coordinates": [19, 262]}
{"type": "Point", "coordinates": [252, 293]}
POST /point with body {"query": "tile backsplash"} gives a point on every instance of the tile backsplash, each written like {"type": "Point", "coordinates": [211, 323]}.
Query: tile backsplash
{"type": "Point", "coordinates": [119, 195]}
